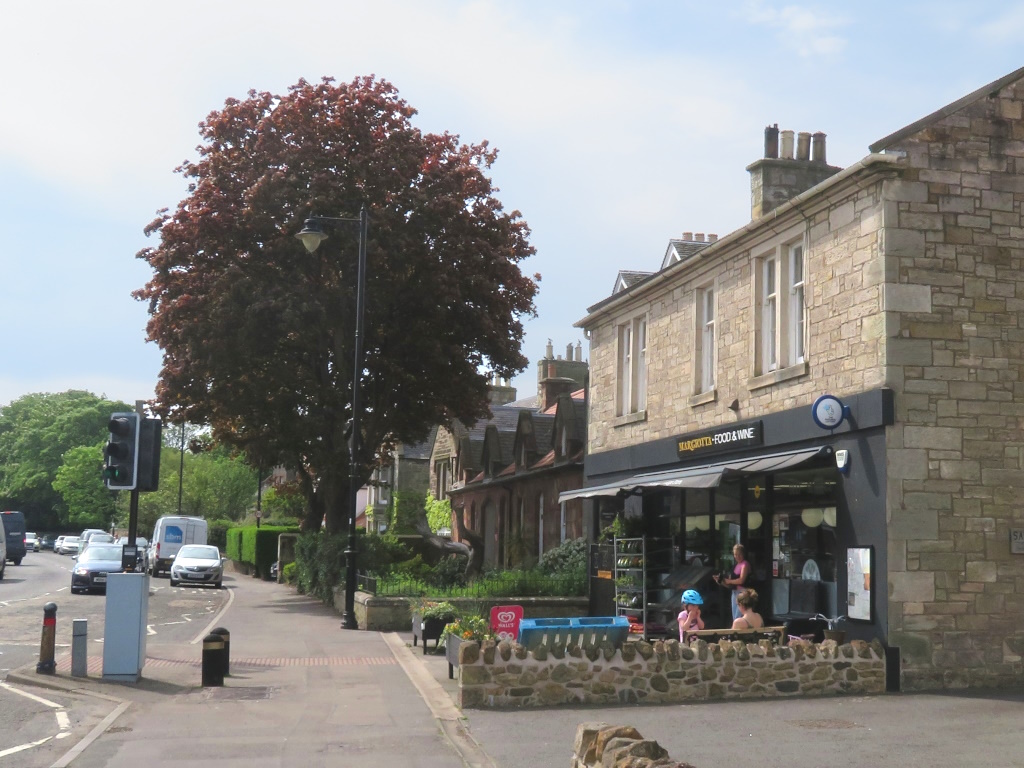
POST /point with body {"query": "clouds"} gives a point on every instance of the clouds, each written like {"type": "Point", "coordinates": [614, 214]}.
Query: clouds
{"type": "Point", "coordinates": [620, 124]}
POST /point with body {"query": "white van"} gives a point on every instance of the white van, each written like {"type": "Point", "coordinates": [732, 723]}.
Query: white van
{"type": "Point", "coordinates": [168, 536]}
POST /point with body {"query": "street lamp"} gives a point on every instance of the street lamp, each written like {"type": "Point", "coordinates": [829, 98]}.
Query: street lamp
{"type": "Point", "coordinates": [312, 235]}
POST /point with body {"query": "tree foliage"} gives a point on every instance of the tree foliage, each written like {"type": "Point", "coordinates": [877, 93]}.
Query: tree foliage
{"type": "Point", "coordinates": [258, 335]}
{"type": "Point", "coordinates": [80, 483]}
{"type": "Point", "coordinates": [36, 431]}
{"type": "Point", "coordinates": [215, 485]}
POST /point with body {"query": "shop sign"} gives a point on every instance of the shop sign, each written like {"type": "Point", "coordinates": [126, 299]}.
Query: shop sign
{"type": "Point", "coordinates": [829, 412]}
{"type": "Point", "coordinates": [720, 439]}
{"type": "Point", "coordinates": [1017, 541]}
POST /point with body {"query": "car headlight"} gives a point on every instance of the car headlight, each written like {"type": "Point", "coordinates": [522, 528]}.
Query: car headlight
{"type": "Point", "coordinates": [81, 572]}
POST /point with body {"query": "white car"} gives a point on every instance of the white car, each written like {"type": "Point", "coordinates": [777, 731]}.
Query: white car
{"type": "Point", "coordinates": [197, 564]}
{"type": "Point", "coordinates": [70, 545]}
{"type": "Point", "coordinates": [31, 542]}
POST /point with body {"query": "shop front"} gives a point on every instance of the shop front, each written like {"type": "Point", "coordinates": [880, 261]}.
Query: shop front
{"type": "Point", "coordinates": [805, 496]}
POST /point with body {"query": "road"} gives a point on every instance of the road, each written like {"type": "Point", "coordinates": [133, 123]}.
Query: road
{"type": "Point", "coordinates": [26, 717]}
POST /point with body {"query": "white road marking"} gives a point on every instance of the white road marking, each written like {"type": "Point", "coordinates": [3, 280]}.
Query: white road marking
{"type": "Point", "coordinates": [63, 721]}
{"type": "Point", "coordinates": [23, 747]}
{"type": "Point", "coordinates": [27, 695]}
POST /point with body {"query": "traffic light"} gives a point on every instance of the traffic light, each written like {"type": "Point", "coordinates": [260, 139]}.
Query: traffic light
{"type": "Point", "coordinates": [148, 474]}
{"type": "Point", "coordinates": [122, 452]}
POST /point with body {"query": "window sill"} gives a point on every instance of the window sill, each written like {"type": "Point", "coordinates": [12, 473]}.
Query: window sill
{"type": "Point", "coordinates": [777, 377]}
{"type": "Point", "coordinates": [630, 418]}
{"type": "Point", "coordinates": [703, 398]}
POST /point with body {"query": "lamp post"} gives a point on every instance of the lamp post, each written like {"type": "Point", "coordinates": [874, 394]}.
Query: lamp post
{"type": "Point", "coordinates": [312, 235]}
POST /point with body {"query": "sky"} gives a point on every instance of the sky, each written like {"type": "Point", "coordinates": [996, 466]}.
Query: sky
{"type": "Point", "coordinates": [619, 124]}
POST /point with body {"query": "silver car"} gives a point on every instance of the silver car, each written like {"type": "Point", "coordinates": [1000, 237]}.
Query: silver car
{"type": "Point", "coordinates": [197, 564]}
{"type": "Point", "coordinates": [70, 545]}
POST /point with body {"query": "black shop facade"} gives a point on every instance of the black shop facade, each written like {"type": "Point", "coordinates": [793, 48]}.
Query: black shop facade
{"type": "Point", "coordinates": [803, 490]}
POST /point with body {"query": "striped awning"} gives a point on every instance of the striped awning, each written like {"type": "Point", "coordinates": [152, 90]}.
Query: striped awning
{"type": "Point", "coordinates": [705, 476]}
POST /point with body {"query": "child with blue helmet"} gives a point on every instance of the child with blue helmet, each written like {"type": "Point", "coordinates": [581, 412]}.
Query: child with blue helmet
{"type": "Point", "coordinates": [689, 618]}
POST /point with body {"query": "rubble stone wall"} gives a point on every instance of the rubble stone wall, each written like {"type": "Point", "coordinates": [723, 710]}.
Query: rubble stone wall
{"type": "Point", "coordinates": [664, 672]}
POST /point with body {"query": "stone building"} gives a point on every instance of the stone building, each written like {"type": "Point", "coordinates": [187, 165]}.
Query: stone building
{"type": "Point", "coordinates": [836, 386]}
{"type": "Point", "coordinates": [503, 476]}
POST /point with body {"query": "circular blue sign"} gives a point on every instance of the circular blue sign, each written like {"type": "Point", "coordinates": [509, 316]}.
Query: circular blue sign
{"type": "Point", "coordinates": [828, 412]}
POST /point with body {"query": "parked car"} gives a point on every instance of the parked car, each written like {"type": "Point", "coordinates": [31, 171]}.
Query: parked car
{"type": "Point", "coordinates": [95, 538]}
{"type": "Point", "coordinates": [46, 541]}
{"type": "Point", "coordinates": [70, 545]}
{"type": "Point", "coordinates": [169, 534]}
{"type": "Point", "coordinates": [93, 565]}
{"type": "Point", "coordinates": [197, 564]}
{"type": "Point", "coordinates": [14, 532]}
{"type": "Point", "coordinates": [57, 542]}
{"type": "Point", "coordinates": [31, 541]}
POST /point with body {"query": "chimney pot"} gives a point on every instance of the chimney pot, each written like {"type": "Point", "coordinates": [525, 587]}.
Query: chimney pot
{"type": "Point", "coordinates": [787, 145]}
{"type": "Point", "coordinates": [712, 238]}
{"type": "Point", "coordinates": [699, 237]}
{"type": "Point", "coordinates": [579, 352]}
{"type": "Point", "coordinates": [771, 141]}
{"type": "Point", "coordinates": [803, 146]}
{"type": "Point", "coordinates": [568, 351]}
{"type": "Point", "coordinates": [549, 351]}
{"type": "Point", "coordinates": [818, 148]}
{"type": "Point", "coordinates": [688, 236]}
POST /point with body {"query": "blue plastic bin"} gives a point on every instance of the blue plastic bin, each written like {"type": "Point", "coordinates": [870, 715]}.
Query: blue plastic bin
{"type": "Point", "coordinates": [569, 632]}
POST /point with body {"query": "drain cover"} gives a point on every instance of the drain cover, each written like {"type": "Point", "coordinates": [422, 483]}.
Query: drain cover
{"type": "Point", "coordinates": [254, 693]}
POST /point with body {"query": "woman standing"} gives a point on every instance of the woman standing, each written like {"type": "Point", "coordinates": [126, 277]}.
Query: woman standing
{"type": "Point", "coordinates": [740, 571]}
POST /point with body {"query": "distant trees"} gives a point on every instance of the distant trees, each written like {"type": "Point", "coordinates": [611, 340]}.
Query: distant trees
{"type": "Point", "coordinates": [36, 433]}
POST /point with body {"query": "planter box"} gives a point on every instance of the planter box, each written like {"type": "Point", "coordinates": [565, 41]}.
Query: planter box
{"type": "Point", "coordinates": [428, 629]}
{"type": "Point", "coordinates": [451, 652]}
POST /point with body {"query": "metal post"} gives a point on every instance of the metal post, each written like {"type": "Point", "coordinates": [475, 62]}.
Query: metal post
{"type": "Point", "coordinates": [80, 648]}
{"type": "Point", "coordinates": [213, 661]}
{"type": "Point", "coordinates": [181, 466]}
{"type": "Point", "coordinates": [46, 664]}
{"type": "Point", "coordinates": [226, 637]}
{"type": "Point", "coordinates": [348, 617]}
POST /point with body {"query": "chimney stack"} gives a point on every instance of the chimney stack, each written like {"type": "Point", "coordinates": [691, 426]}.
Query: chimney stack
{"type": "Point", "coordinates": [787, 169]}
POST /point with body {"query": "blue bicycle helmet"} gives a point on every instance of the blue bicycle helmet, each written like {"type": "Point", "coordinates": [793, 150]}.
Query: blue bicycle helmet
{"type": "Point", "coordinates": [692, 597]}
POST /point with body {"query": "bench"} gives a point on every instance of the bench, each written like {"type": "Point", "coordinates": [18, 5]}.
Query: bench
{"type": "Point", "coordinates": [776, 635]}
{"type": "Point", "coordinates": [568, 633]}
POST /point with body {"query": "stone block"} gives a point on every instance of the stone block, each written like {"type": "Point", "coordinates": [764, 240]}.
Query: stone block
{"type": "Point", "coordinates": [904, 297]}
{"type": "Point", "coordinates": [911, 586]}
{"type": "Point", "coordinates": [933, 438]}
{"type": "Point", "coordinates": [981, 570]}
{"type": "Point", "coordinates": [920, 523]}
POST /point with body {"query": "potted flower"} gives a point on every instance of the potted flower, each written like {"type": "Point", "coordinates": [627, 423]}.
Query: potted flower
{"type": "Point", "coordinates": [832, 632]}
{"type": "Point", "coordinates": [463, 629]}
{"type": "Point", "coordinates": [429, 619]}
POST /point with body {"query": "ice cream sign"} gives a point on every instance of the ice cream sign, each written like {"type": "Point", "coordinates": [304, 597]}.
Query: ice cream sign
{"type": "Point", "coordinates": [505, 621]}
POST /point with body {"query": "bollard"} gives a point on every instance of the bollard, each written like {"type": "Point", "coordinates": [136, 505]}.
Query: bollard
{"type": "Point", "coordinates": [80, 648]}
{"type": "Point", "coordinates": [46, 664]}
{"type": "Point", "coordinates": [226, 636]}
{"type": "Point", "coordinates": [213, 660]}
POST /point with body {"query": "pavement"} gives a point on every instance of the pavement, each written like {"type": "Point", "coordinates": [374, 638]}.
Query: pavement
{"type": "Point", "coordinates": [304, 692]}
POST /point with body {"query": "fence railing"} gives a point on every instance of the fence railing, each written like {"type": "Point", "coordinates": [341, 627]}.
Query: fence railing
{"type": "Point", "coordinates": [500, 584]}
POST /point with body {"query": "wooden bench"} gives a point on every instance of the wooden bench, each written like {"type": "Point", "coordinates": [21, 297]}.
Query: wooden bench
{"type": "Point", "coordinates": [777, 635]}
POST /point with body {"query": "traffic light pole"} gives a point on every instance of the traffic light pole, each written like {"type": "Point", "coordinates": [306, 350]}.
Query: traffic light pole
{"type": "Point", "coordinates": [133, 517]}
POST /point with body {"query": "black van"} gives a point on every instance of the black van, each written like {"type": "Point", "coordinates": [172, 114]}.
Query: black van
{"type": "Point", "coordinates": [14, 527]}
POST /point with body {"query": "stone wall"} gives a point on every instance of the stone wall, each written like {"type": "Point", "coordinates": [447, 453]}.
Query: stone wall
{"type": "Point", "coordinates": [664, 672]}
{"type": "Point", "coordinates": [954, 293]}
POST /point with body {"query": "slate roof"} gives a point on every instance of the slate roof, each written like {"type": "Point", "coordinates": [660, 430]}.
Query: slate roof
{"type": "Point", "coordinates": [627, 279]}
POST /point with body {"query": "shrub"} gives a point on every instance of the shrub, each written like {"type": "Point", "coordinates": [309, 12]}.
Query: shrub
{"type": "Point", "coordinates": [217, 533]}
{"type": "Point", "coordinates": [568, 557]}
{"type": "Point", "coordinates": [290, 573]}
{"type": "Point", "coordinates": [255, 546]}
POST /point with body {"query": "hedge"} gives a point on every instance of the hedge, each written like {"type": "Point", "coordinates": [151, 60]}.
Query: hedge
{"type": "Point", "coordinates": [256, 546]}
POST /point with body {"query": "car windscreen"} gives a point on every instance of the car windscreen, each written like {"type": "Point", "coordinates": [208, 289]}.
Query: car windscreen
{"type": "Point", "coordinates": [100, 552]}
{"type": "Point", "coordinates": [200, 553]}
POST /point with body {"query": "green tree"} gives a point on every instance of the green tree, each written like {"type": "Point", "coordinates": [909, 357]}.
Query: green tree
{"type": "Point", "coordinates": [36, 431]}
{"type": "Point", "coordinates": [216, 485]}
{"type": "Point", "coordinates": [258, 335]}
{"type": "Point", "coordinates": [80, 483]}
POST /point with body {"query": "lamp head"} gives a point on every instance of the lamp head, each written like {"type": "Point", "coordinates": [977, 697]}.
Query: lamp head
{"type": "Point", "coordinates": [312, 235]}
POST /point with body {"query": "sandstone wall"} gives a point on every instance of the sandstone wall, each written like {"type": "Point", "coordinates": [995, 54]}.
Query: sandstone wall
{"type": "Point", "coordinates": [664, 672]}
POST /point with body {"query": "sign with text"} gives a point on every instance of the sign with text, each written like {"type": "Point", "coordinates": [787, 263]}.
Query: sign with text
{"type": "Point", "coordinates": [720, 439]}
{"type": "Point", "coordinates": [505, 621]}
{"type": "Point", "coordinates": [1017, 541]}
